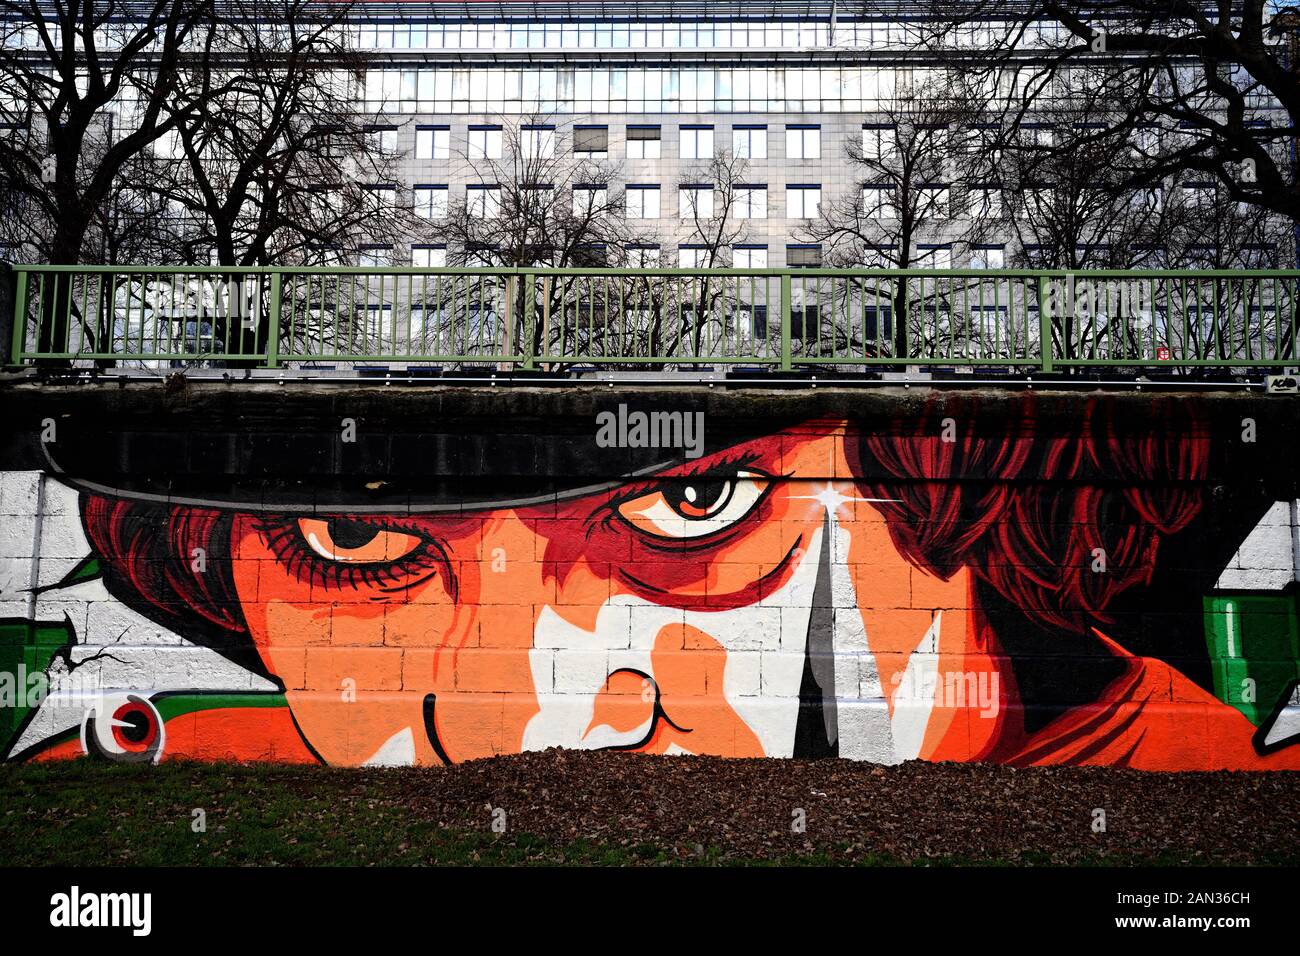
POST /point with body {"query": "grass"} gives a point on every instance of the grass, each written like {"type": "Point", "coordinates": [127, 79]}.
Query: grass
{"type": "Point", "coordinates": [86, 813]}
{"type": "Point", "coordinates": [82, 813]}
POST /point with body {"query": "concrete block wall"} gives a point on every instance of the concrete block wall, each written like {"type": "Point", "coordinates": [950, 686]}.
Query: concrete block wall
{"type": "Point", "coordinates": [383, 576]}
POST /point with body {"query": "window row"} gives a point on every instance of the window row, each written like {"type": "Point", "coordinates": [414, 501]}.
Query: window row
{"type": "Point", "coordinates": [699, 141]}
{"type": "Point", "coordinates": [687, 89]}
{"type": "Point", "coordinates": [695, 201]}
{"type": "Point", "coordinates": [746, 201]}
{"type": "Point", "coordinates": [739, 256]}
{"type": "Point", "coordinates": [750, 141]}
{"type": "Point", "coordinates": [845, 33]}
{"type": "Point", "coordinates": [568, 90]}
{"type": "Point", "coordinates": [991, 255]}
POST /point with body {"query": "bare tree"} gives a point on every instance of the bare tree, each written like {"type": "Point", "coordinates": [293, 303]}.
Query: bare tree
{"type": "Point", "coordinates": [272, 150]}
{"type": "Point", "coordinates": [539, 201]}
{"type": "Point", "coordinates": [272, 156]}
{"type": "Point", "coordinates": [716, 205]}
{"type": "Point", "coordinates": [83, 89]}
{"type": "Point", "coordinates": [1184, 84]}
{"type": "Point", "coordinates": [910, 165]}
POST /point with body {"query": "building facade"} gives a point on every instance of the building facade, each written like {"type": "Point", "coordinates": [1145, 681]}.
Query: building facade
{"type": "Point", "coordinates": [655, 89]}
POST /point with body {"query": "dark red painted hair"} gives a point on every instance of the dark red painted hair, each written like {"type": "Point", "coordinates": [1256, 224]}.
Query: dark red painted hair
{"type": "Point", "coordinates": [1031, 505]}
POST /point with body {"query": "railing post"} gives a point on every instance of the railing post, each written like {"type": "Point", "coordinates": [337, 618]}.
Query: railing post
{"type": "Point", "coordinates": [787, 357]}
{"type": "Point", "coordinates": [273, 333]}
{"type": "Point", "coordinates": [529, 305]}
{"type": "Point", "coordinates": [13, 309]}
{"type": "Point", "coordinates": [1044, 326]}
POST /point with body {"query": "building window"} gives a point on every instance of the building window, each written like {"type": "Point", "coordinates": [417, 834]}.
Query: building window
{"type": "Point", "coordinates": [643, 142]}
{"type": "Point", "coordinates": [803, 142]}
{"type": "Point", "coordinates": [1150, 199]}
{"type": "Point", "coordinates": [751, 202]}
{"type": "Point", "coordinates": [803, 256]}
{"type": "Point", "coordinates": [432, 142]}
{"type": "Point", "coordinates": [434, 257]}
{"type": "Point", "coordinates": [749, 257]}
{"type": "Point", "coordinates": [591, 255]}
{"type": "Point", "coordinates": [879, 257]}
{"type": "Point", "coordinates": [534, 199]}
{"type": "Point", "coordinates": [374, 256]}
{"type": "Point", "coordinates": [376, 334]}
{"type": "Point", "coordinates": [483, 202]}
{"type": "Point", "coordinates": [803, 202]}
{"type": "Point", "coordinates": [1038, 135]}
{"type": "Point", "coordinates": [642, 202]}
{"type": "Point", "coordinates": [877, 142]}
{"type": "Point", "coordinates": [749, 142]}
{"type": "Point", "coordinates": [988, 257]}
{"type": "Point", "coordinates": [484, 142]}
{"type": "Point", "coordinates": [878, 202]}
{"type": "Point", "coordinates": [977, 138]}
{"type": "Point", "coordinates": [382, 140]}
{"type": "Point", "coordinates": [985, 202]}
{"type": "Point", "coordinates": [930, 256]}
{"type": "Point", "coordinates": [327, 255]}
{"type": "Point", "coordinates": [590, 141]}
{"type": "Point", "coordinates": [697, 142]}
{"type": "Point", "coordinates": [589, 200]}
{"type": "Point", "coordinates": [1200, 195]}
{"type": "Point", "coordinates": [933, 202]}
{"type": "Point", "coordinates": [481, 256]}
{"type": "Point", "coordinates": [380, 196]}
{"type": "Point", "coordinates": [537, 142]}
{"type": "Point", "coordinates": [431, 201]}
{"type": "Point", "coordinates": [693, 257]}
{"type": "Point", "coordinates": [695, 202]}
{"type": "Point", "coordinates": [643, 256]}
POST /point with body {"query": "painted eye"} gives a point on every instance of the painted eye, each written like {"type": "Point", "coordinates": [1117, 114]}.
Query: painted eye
{"type": "Point", "coordinates": [695, 507]}
{"type": "Point", "coordinates": [355, 542]}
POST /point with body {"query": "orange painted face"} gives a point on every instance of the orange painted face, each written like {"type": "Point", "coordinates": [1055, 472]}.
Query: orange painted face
{"type": "Point", "coordinates": [675, 614]}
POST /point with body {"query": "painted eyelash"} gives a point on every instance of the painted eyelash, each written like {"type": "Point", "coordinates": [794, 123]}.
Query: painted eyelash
{"type": "Point", "coordinates": [284, 538]}
{"type": "Point", "coordinates": [726, 468]}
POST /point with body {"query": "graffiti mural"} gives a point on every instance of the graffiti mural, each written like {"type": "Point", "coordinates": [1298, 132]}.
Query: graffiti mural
{"type": "Point", "coordinates": [944, 588]}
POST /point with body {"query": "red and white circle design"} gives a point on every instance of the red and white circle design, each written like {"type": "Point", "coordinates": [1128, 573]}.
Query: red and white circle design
{"type": "Point", "coordinates": [124, 727]}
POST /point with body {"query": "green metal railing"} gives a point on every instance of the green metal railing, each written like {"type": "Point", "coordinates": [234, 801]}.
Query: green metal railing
{"type": "Point", "coordinates": [271, 317]}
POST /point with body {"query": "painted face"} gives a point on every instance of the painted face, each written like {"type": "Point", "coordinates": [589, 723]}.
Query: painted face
{"type": "Point", "coordinates": [606, 621]}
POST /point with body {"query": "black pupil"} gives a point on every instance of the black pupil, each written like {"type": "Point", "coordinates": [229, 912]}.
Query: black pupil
{"type": "Point", "coordinates": [139, 728]}
{"type": "Point", "coordinates": [689, 499]}
{"type": "Point", "coordinates": [351, 534]}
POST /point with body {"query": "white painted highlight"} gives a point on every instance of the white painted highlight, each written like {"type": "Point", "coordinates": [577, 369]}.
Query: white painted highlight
{"type": "Point", "coordinates": [912, 716]}
{"type": "Point", "coordinates": [397, 751]}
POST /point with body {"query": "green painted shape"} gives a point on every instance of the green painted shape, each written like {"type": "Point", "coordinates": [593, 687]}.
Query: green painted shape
{"type": "Point", "coordinates": [175, 705]}
{"type": "Point", "coordinates": [1255, 637]}
{"type": "Point", "coordinates": [26, 648]}
{"type": "Point", "coordinates": [87, 570]}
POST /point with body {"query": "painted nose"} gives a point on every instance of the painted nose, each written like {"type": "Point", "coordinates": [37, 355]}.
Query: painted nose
{"type": "Point", "coordinates": [626, 712]}
{"type": "Point", "coordinates": [817, 729]}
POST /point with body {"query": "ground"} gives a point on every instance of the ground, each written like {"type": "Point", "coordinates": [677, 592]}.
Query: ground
{"type": "Point", "coordinates": [611, 808]}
